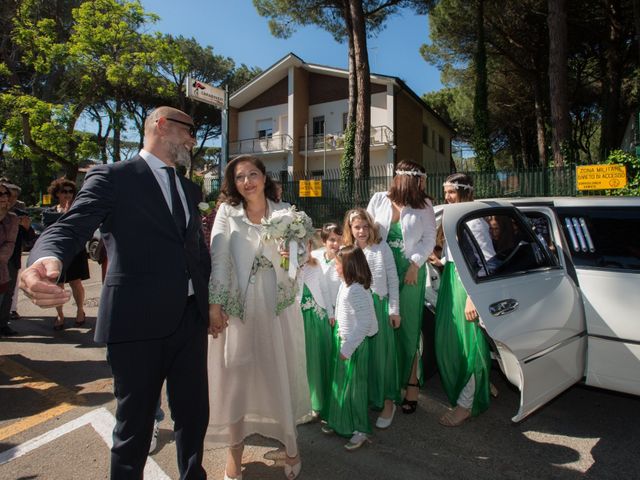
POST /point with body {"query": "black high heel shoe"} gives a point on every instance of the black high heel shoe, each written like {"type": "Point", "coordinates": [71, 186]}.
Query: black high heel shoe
{"type": "Point", "coordinates": [409, 406]}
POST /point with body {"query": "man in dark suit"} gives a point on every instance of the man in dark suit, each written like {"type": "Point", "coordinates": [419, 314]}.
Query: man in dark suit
{"type": "Point", "coordinates": [153, 312]}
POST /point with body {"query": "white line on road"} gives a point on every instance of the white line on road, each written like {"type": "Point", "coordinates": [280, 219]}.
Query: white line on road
{"type": "Point", "coordinates": [102, 422]}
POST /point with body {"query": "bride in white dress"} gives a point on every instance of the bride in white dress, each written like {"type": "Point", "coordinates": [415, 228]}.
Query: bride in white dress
{"type": "Point", "coordinates": [257, 366]}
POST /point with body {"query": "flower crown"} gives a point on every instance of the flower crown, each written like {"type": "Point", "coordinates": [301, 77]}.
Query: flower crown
{"type": "Point", "coordinates": [411, 173]}
{"type": "Point", "coordinates": [457, 185]}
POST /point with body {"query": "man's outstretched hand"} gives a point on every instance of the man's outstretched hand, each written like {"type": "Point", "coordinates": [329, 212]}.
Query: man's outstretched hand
{"type": "Point", "coordinates": [38, 282]}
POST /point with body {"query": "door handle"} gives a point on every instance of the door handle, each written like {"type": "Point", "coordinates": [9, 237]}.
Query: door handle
{"type": "Point", "coordinates": [503, 307]}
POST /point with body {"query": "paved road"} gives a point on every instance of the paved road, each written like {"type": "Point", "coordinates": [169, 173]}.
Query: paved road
{"type": "Point", "coordinates": [57, 411]}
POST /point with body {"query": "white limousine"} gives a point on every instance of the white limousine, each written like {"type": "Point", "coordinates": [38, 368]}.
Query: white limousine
{"type": "Point", "coordinates": [561, 301]}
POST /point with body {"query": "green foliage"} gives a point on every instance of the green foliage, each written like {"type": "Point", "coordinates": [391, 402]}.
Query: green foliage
{"type": "Point", "coordinates": [632, 164]}
{"type": "Point", "coordinates": [516, 35]}
{"type": "Point", "coordinates": [61, 61]}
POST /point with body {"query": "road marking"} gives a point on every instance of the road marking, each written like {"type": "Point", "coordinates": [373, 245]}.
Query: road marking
{"type": "Point", "coordinates": [102, 422]}
{"type": "Point", "coordinates": [23, 377]}
{"type": "Point", "coordinates": [582, 446]}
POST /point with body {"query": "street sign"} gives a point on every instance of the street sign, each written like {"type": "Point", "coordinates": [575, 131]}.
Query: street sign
{"type": "Point", "coordinates": [600, 177]}
{"type": "Point", "coordinates": [310, 188]}
{"type": "Point", "coordinates": [203, 92]}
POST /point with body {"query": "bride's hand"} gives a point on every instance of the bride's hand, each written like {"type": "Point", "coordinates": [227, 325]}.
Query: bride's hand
{"type": "Point", "coordinates": [218, 320]}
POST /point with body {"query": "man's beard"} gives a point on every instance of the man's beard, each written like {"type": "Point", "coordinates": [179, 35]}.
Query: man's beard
{"type": "Point", "coordinates": [179, 155]}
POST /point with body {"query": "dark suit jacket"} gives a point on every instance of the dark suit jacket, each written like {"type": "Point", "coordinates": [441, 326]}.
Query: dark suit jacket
{"type": "Point", "coordinates": [146, 285]}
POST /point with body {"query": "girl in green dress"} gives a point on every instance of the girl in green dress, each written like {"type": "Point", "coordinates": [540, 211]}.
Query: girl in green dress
{"type": "Point", "coordinates": [462, 351]}
{"type": "Point", "coordinates": [318, 317]}
{"type": "Point", "coordinates": [384, 384]}
{"type": "Point", "coordinates": [355, 318]}
{"type": "Point", "coordinates": [405, 219]}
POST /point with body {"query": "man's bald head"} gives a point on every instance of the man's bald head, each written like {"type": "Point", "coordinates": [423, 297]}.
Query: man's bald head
{"type": "Point", "coordinates": [163, 112]}
{"type": "Point", "coordinates": [167, 135]}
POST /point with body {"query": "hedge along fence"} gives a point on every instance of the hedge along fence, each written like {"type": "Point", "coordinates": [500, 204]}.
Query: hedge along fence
{"type": "Point", "coordinates": [338, 196]}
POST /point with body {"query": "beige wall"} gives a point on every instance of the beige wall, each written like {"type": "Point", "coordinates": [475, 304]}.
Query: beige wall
{"type": "Point", "coordinates": [233, 124]}
{"type": "Point", "coordinates": [300, 109]}
{"type": "Point", "coordinates": [408, 128]}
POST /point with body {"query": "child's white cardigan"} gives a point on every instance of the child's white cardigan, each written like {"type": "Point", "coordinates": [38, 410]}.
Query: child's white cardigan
{"type": "Point", "coordinates": [355, 316]}
{"type": "Point", "coordinates": [384, 274]}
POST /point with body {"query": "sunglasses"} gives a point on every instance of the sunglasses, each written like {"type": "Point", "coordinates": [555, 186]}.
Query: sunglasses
{"type": "Point", "coordinates": [5, 194]}
{"type": "Point", "coordinates": [67, 190]}
{"type": "Point", "coordinates": [192, 129]}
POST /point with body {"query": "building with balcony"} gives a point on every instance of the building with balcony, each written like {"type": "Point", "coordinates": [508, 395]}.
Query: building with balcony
{"type": "Point", "coordinates": [293, 117]}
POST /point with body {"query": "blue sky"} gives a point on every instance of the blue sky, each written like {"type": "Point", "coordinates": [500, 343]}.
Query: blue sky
{"type": "Point", "coordinates": [234, 29]}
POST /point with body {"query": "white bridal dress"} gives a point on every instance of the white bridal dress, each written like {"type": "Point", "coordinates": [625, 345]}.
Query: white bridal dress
{"type": "Point", "coordinates": [257, 366]}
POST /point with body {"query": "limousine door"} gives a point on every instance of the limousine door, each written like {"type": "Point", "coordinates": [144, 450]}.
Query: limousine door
{"type": "Point", "coordinates": [528, 304]}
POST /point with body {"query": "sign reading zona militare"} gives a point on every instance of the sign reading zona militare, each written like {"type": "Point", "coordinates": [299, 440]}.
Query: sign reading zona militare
{"type": "Point", "coordinates": [600, 177]}
{"type": "Point", "coordinates": [310, 188]}
{"type": "Point", "coordinates": [203, 92]}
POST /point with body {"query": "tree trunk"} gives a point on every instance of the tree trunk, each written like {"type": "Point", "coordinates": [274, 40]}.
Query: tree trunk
{"type": "Point", "coordinates": [481, 142]}
{"type": "Point", "coordinates": [540, 130]}
{"type": "Point", "coordinates": [363, 79]}
{"type": "Point", "coordinates": [612, 76]}
{"type": "Point", "coordinates": [353, 87]}
{"type": "Point", "coordinates": [636, 23]}
{"type": "Point", "coordinates": [117, 129]}
{"type": "Point", "coordinates": [558, 100]}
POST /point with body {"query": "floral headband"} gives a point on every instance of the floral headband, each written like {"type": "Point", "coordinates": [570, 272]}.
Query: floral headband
{"type": "Point", "coordinates": [411, 173]}
{"type": "Point", "coordinates": [355, 214]}
{"type": "Point", "coordinates": [457, 185]}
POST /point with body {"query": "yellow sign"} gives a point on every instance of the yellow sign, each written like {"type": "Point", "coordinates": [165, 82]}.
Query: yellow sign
{"type": "Point", "coordinates": [310, 188]}
{"type": "Point", "coordinates": [600, 177]}
{"type": "Point", "coordinates": [46, 199]}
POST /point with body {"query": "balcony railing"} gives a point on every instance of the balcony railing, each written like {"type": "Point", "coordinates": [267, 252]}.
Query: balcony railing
{"type": "Point", "coordinates": [381, 135]}
{"type": "Point", "coordinates": [275, 143]}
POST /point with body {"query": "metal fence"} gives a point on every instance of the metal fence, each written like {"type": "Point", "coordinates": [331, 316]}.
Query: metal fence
{"type": "Point", "coordinates": [337, 197]}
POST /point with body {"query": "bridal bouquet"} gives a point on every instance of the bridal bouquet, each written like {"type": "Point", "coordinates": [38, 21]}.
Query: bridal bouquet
{"type": "Point", "coordinates": [292, 230]}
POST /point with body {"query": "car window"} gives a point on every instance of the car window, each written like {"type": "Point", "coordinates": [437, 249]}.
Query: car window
{"type": "Point", "coordinates": [501, 245]}
{"type": "Point", "coordinates": [605, 238]}
{"type": "Point", "coordinates": [541, 226]}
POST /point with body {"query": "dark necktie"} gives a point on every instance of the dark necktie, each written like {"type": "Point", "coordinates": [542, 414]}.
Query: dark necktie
{"type": "Point", "coordinates": [177, 209]}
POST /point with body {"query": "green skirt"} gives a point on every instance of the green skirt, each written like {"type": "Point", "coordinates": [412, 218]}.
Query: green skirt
{"type": "Point", "coordinates": [411, 312]}
{"type": "Point", "coordinates": [349, 403]}
{"type": "Point", "coordinates": [384, 383]}
{"type": "Point", "coordinates": [318, 336]}
{"type": "Point", "coordinates": [461, 347]}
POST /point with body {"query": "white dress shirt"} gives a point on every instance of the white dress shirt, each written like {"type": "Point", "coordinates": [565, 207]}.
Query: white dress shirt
{"type": "Point", "coordinates": [157, 168]}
